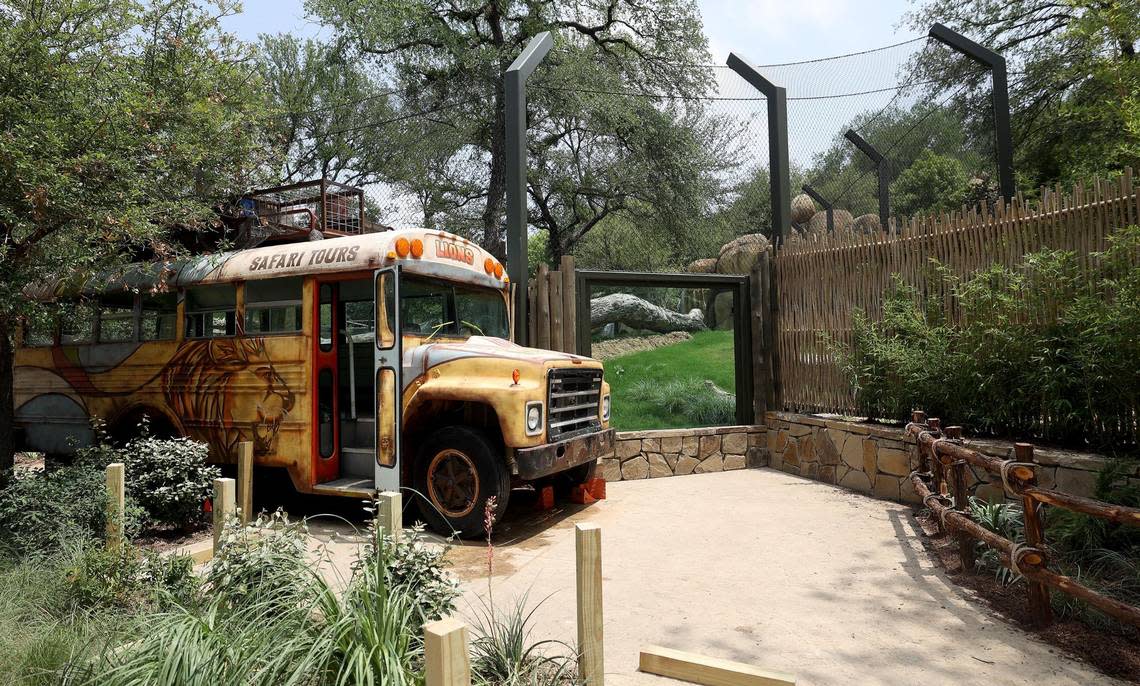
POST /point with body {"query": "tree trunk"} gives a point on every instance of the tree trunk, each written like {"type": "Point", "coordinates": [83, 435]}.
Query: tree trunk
{"type": "Point", "coordinates": [7, 402]}
{"type": "Point", "coordinates": [493, 239]}
{"type": "Point", "coordinates": [632, 311]}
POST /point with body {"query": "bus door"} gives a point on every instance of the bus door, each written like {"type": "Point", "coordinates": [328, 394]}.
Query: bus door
{"type": "Point", "coordinates": [389, 379]}
{"type": "Point", "coordinates": [326, 439]}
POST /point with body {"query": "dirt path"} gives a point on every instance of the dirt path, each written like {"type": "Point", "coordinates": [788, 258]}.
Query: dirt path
{"type": "Point", "coordinates": [767, 568]}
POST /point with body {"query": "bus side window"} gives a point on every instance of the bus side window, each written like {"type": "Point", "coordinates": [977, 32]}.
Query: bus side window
{"type": "Point", "coordinates": [273, 306]}
{"type": "Point", "coordinates": [77, 324]}
{"type": "Point", "coordinates": [117, 318]}
{"type": "Point", "coordinates": [211, 311]}
{"type": "Point", "coordinates": [159, 316]}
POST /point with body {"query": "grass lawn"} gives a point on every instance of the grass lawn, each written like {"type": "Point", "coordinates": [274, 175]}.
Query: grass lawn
{"type": "Point", "coordinates": [678, 368]}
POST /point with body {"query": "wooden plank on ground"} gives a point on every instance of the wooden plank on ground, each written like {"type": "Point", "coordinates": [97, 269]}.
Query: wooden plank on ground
{"type": "Point", "coordinates": [710, 671]}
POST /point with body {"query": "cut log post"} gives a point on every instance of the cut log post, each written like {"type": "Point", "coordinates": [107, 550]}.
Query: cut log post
{"type": "Point", "coordinates": [636, 313]}
{"type": "Point", "coordinates": [554, 288]}
{"type": "Point", "coordinates": [224, 507]}
{"type": "Point", "coordinates": [446, 658]}
{"type": "Point", "coordinates": [1039, 603]}
{"type": "Point", "coordinates": [390, 513]}
{"type": "Point", "coordinates": [542, 302]}
{"type": "Point", "coordinates": [116, 503]}
{"type": "Point", "coordinates": [245, 481]}
{"type": "Point", "coordinates": [961, 502]}
{"type": "Point", "coordinates": [709, 671]}
{"type": "Point", "coordinates": [588, 552]}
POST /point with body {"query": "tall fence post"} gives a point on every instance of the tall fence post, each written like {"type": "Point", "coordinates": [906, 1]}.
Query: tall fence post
{"type": "Point", "coordinates": [116, 503]}
{"type": "Point", "coordinates": [1003, 139]}
{"type": "Point", "coordinates": [245, 481]}
{"type": "Point", "coordinates": [779, 167]}
{"type": "Point", "coordinates": [588, 572]}
{"type": "Point", "coordinates": [514, 95]}
{"type": "Point", "coordinates": [961, 501]}
{"type": "Point", "coordinates": [829, 210]}
{"type": "Point", "coordinates": [883, 172]}
{"type": "Point", "coordinates": [224, 507]}
{"type": "Point", "coordinates": [446, 658]}
{"type": "Point", "coordinates": [1039, 603]}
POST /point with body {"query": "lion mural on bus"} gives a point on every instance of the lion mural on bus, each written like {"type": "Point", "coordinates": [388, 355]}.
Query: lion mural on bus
{"type": "Point", "coordinates": [201, 383]}
{"type": "Point", "coordinates": [220, 391]}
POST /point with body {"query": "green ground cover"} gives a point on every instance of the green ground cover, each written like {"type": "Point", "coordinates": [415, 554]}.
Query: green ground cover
{"type": "Point", "coordinates": [665, 388]}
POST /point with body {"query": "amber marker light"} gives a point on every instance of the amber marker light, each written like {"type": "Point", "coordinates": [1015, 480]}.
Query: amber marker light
{"type": "Point", "coordinates": [515, 376]}
{"type": "Point", "coordinates": [403, 247]}
{"type": "Point", "coordinates": [489, 265]}
{"type": "Point", "coordinates": [417, 248]}
{"type": "Point", "coordinates": [498, 270]}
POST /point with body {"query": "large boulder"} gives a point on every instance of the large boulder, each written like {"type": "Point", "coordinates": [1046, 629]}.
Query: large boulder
{"type": "Point", "coordinates": [741, 254]}
{"type": "Point", "coordinates": [632, 311]}
{"type": "Point", "coordinates": [706, 265]}
{"type": "Point", "coordinates": [868, 223]}
{"type": "Point", "coordinates": [818, 222]}
{"type": "Point", "coordinates": [803, 207]}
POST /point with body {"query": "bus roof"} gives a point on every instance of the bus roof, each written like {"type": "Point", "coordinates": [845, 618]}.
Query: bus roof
{"type": "Point", "coordinates": [442, 255]}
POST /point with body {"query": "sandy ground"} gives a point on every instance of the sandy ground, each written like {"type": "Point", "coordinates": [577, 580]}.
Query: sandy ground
{"type": "Point", "coordinates": [763, 567]}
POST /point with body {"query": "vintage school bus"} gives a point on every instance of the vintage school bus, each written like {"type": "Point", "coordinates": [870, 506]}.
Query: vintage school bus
{"type": "Point", "coordinates": [365, 362]}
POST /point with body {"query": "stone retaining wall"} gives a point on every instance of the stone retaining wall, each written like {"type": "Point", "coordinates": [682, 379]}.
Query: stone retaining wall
{"type": "Point", "coordinates": [675, 452]}
{"type": "Point", "coordinates": [877, 460]}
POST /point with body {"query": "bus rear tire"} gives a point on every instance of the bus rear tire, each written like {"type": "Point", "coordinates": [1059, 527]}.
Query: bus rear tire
{"type": "Point", "coordinates": [457, 470]}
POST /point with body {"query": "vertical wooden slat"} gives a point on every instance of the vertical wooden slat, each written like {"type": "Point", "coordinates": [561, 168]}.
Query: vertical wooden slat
{"type": "Point", "coordinates": [588, 572]}
{"type": "Point", "coordinates": [116, 503]}
{"type": "Point", "coordinates": [542, 309]}
{"type": "Point", "coordinates": [554, 292]}
{"type": "Point", "coordinates": [245, 480]}
{"type": "Point", "coordinates": [569, 304]}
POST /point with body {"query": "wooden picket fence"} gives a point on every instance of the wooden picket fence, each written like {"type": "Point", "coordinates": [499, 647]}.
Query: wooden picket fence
{"type": "Point", "coordinates": [822, 281]}
{"type": "Point", "coordinates": [551, 298]}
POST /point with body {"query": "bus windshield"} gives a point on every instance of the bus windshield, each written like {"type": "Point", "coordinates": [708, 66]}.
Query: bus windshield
{"type": "Point", "coordinates": [439, 309]}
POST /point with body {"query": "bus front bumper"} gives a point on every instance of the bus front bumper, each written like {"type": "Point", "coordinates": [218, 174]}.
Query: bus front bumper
{"type": "Point", "coordinates": [551, 458]}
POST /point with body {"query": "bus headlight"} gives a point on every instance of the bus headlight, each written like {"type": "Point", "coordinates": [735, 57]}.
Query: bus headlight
{"type": "Point", "coordinates": [606, 407]}
{"type": "Point", "coordinates": [533, 418]}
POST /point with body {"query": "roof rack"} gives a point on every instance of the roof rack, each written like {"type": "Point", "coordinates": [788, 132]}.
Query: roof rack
{"type": "Point", "coordinates": [293, 212]}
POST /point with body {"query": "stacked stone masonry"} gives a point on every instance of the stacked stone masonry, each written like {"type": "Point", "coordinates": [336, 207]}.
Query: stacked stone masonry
{"type": "Point", "coordinates": [877, 460]}
{"type": "Point", "coordinates": [676, 452]}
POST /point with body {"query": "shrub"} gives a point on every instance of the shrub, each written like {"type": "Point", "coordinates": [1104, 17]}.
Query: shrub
{"type": "Point", "coordinates": [170, 479]}
{"type": "Point", "coordinates": [128, 578]}
{"type": "Point", "coordinates": [1047, 350]}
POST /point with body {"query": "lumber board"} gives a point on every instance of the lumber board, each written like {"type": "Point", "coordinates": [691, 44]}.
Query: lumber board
{"type": "Point", "coordinates": [709, 671]}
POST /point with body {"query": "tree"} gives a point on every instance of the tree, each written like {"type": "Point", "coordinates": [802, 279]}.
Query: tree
{"type": "Point", "coordinates": [117, 119]}
{"type": "Point", "coordinates": [448, 60]}
{"type": "Point", "coordinates": [1073, 84]}
{"type": "Point", "coordinates": [934, 183]}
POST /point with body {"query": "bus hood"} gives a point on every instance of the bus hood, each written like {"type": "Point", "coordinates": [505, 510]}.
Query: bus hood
{"type": "Point", "coordinates": [423, 357]}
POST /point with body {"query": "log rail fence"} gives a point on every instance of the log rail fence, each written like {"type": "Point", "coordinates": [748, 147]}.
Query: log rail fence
{"type": "Point", "coordinates": [940, 480]}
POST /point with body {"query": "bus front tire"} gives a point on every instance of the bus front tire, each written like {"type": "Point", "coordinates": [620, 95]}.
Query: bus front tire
{"type": "Point", "coordinates": [457, 470]}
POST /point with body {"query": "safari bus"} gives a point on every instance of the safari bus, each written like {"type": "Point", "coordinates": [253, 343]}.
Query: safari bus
{"type": "Point", "coordinates": [365, 361]}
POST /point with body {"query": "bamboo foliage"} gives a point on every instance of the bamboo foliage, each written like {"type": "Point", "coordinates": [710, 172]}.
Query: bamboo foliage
{"type": "Point", "coordinates": [823, 280]}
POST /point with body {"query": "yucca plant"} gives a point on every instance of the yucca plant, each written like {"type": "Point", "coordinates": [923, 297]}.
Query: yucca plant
{"type": "Point", "coordinates": [1005, 519]}
{"type": "Point", "coordinates": [503, 653]}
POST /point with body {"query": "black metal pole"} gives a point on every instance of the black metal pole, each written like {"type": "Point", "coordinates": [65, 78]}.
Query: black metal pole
{"type": "Point", "coordinates": [514, 84]}
{"type": "Point", "coordinates": [827, 207]}
{"type": "Point", "coordinates": [779, 169]}
{"type": "Point", "coordinates": [883, 173]}
{"type": "Point", "coordinates": [1003, 139]}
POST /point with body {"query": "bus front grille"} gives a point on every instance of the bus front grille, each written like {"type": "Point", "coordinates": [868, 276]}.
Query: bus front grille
{"type": "Point", "coordinates": [573, 398]}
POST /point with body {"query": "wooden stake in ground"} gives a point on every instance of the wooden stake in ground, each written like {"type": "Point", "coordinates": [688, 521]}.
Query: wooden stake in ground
{"type": "Point", "coordinates": [446, 660]}
{"type": "Point", "coordinates": [116, 503]}
{"type": "Point", "coordinates": [390, 513]}
{"type": "Point", "coordinates": [588, 550]}
{"type": "Point", "coordinates": [1039, 602]}
{"type": "Point", "coordinates": [710, 671]}
{"type": "Point", "coordinates": [245, 481]}
{"type": "Point", "coordinates": [224, 507]}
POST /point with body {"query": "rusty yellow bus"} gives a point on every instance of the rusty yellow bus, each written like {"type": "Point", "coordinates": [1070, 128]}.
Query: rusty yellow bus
{"type": "Point", "coordinates": [360, 363]}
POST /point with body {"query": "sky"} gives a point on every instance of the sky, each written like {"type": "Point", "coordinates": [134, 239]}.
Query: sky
{"type": "Point", "coordinates": [763, 31]}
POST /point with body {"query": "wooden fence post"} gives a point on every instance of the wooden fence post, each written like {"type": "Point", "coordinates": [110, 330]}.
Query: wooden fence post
{"type": "Point", "coordinates": [961, 502]}
{"type": "Point", "coordinates": [446, 660]}
{"type": "Point", "coordinates": [390, 513]}
{"type": "Point", "coordinates": [542, 307]}
{"type": "Point", "coordinates": [588, 553]}
{"type": "Point", "coordinates": [554, 291]}
{"type": "Point", "coordinates": [224, 507]}
{"type": "Point", "coordinates": [245, 481]}
{"type": "Point", "coordinates": [116, 503]}
{"type": "Point", "coordinates": [569, 305]}
{"type": "Point", "coordinates": [1039, 604]}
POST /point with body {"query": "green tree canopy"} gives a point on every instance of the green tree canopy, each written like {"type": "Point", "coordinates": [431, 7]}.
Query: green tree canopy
{"type": "Point", "coordinates": [118, 119]}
